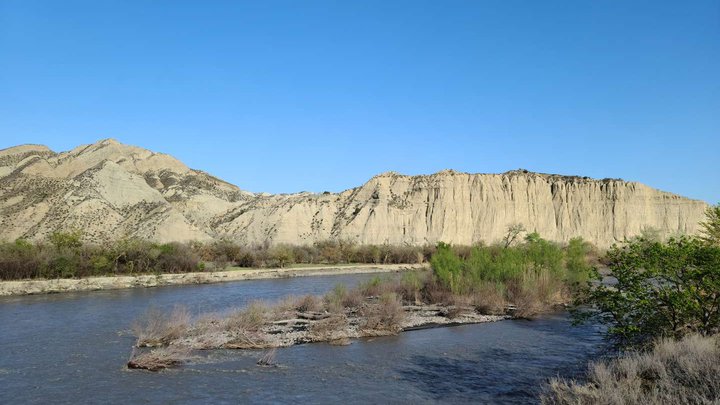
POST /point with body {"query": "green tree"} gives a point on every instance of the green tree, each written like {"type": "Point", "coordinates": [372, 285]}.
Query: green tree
{"type": "Point", "coordinates": [66, 240]}
{"type": "Point", "coordinates": [282, 255]}
{"type": "Point", "coordinates": [663, 289]}
{"type": "Point", "coordinates": [513, 231]}
{"type": "Point", "coordinates": [711, 226]}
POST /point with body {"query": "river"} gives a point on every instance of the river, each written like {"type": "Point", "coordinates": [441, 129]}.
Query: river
{"type": "Point", "coordinates": [72, 348]}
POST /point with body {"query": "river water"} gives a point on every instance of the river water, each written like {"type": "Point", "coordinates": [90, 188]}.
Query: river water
{"type": "Point", "coordinates": [72, 348]}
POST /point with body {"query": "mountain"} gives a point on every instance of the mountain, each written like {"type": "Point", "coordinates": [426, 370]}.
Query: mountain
{"type": "Point", "coordinates": [110, 190]}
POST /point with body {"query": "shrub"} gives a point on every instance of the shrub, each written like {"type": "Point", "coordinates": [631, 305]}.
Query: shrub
{"type": "Point", "coordinates": [155, 328]}
{"type": "Point", "coordinates": [160, 358]}
{"type": "Point", "coordinates": [673, 372]}
{"type": "Point", "coordinates": [67, 256]}
{"type": "Point", "coordinates": [447, 267]}
{"type": "Point", "coordinates": [577, 262]}
{"type": "Point", "coordinates": [331, 328]}
{"type": "Point", "coordinates": [250, 319]}
{"type": "Point", "coordinates": [66, 240]}
{"type": "Point", "coordinates": [309, 303]}
{"type": "Point", "coordinates": [663, 289]}
{"type": "Point", "coordinates": [385, 315]}
{"type": "Point", "coordinates": [711, 226]}
{"type": "Point", "coordinates": [533, 275]}
{"type": "Point", "coordinates": [489, 298]}
{"type": "Point", "coordinates": [281, 256]}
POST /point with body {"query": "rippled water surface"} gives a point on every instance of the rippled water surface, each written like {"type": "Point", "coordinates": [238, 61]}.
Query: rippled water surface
{"type": "Point", "coordinates": [72, 348]}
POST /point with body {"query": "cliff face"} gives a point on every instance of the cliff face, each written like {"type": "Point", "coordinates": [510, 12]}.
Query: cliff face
{"type": "Point", "coordinates": [110, 190]}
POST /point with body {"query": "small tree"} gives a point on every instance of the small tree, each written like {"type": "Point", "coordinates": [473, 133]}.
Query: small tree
{"type": "Point", "coordinates": [282, 254]}
{"type": "Point", "coordinates": [663, 289]}
{"type": "Point", "coordinates": [513, 231]}
{"type": "Point", "coordinates": [711, 226]}
{"type": "Point", "coordinates": [66, 240]}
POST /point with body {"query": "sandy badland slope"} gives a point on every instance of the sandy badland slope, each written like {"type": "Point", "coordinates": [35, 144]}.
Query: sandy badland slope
{"type": "Point", "coordinates": [110, 190]}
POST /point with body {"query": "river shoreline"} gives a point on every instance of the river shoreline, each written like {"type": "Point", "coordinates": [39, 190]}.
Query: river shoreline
{"type": "Point", "coordinates": [32, 287]}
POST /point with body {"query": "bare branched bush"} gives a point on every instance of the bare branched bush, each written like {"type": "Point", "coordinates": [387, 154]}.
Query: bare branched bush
{"type": "Point", "coordinates": [436, 293]}
{"type": "Point", "coordinates": [309, 303]}
{"type": "Point", "coordinates": [385, 315]}
{"type": "Point", "coordinates": [159, 358]}
{"type": "Point", "coordinates": [458, 305]}
{"type": "Point", "coordinates": [331, 328]}
{"type": "Point", "coordinates": [249, 340]}
{"type": "Point", "coordinates": [340, 298]}
{"type": "Point", "coordinates": [156, 328]}
{"type": "Point", "coordinates": [674, 372]}
{"type": "Point", "coordinates": [489, 299]}
{"type": "Point", "coordinates": [251, 318]}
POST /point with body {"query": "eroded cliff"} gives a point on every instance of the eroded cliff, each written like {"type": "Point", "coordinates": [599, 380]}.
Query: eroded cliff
{"type": "Point", "coordinates": [110, 190]}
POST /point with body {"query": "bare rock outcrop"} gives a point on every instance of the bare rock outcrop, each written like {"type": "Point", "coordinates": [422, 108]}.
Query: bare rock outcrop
{"type": "Point", "coordinates": [111, 190]}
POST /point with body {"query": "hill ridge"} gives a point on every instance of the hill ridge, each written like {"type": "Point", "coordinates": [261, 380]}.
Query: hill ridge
{"type": "Point", "coordinates": [112, 190]}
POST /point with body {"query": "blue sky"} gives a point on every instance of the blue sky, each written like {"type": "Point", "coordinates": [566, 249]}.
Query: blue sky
{"type": "Point", "coordinates": [285, 96]}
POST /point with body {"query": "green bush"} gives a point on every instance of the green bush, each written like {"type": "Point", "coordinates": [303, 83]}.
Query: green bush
{"type": "Point", "coordinates": [711, 226]}
{"type": "Point", "coordinates": [447, 267]}
{"type": "Point", "coordinates": [663, 290]}
{"type": "Point", "coordinates": [533, 275]}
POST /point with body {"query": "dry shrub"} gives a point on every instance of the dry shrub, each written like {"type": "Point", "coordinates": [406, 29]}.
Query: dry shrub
{"type": "Point", "coordinates": [674, 372]}
{"type": "Point", "coordinates": [489, 299]}
{"type": "Point", "coordinates": [534, 294]}
{"type": "Point", "coordinates": [332, 328]}
{"type": "Point", "coordinates": [410, 287]}
{"type": "Point", "coordinates": [527, 302]}
{"type": "Point", "coordinates": [208, 331]}
{"type": "Point", "coordinates": [160, 358]}
{"type": "Point", "coordinates": [243, 339]}
{"type": "Point", "coordinates": [457, 306]}
{"type": "Point", "coordinates": [385, 315]}
{"type": "Point", "coordinates": [372, 287]}
{"type": "Point", "coordinates": [435, 293]}
{"type": "Point", "coordinates": [207, 322]}
{"type": "Point", "coordinates": [285, 308]}
{"type": "Point", "coordinates": [353, 299]}
{"type": "Point", "coordinates": [251, 318]}
{"type": "Point", "coordinates": [155, 328]}
{"type": "Point", "coordinates": [309, 303]}
{"type": "Point", "coordinates": [340, 298]}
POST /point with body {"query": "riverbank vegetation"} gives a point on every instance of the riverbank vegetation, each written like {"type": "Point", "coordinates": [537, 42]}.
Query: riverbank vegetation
{"type": "Point", "coordinates": [663, 313]}
{"type": "Point", "coordinates": [64, 255]}
{"type": "Point", "coordinates": [683, 371]}
{"type": "Point", "coordinates": [465, 285]}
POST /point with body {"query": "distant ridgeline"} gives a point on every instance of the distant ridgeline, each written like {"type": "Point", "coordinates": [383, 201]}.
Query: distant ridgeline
{"type": "Point", "coordinates": [110, 190]}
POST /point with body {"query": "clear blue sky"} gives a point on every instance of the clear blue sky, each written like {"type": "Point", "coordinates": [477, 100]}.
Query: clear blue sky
{"type": "Point", "coordinates": [285, 96]}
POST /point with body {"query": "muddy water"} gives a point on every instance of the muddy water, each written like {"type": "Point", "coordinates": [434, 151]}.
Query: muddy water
{"type": "Point", "coordinates": [72, 348]}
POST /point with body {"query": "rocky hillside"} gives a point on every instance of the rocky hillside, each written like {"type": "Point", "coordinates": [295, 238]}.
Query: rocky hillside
{"type": "Point", "coordinates": [110, 190]}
